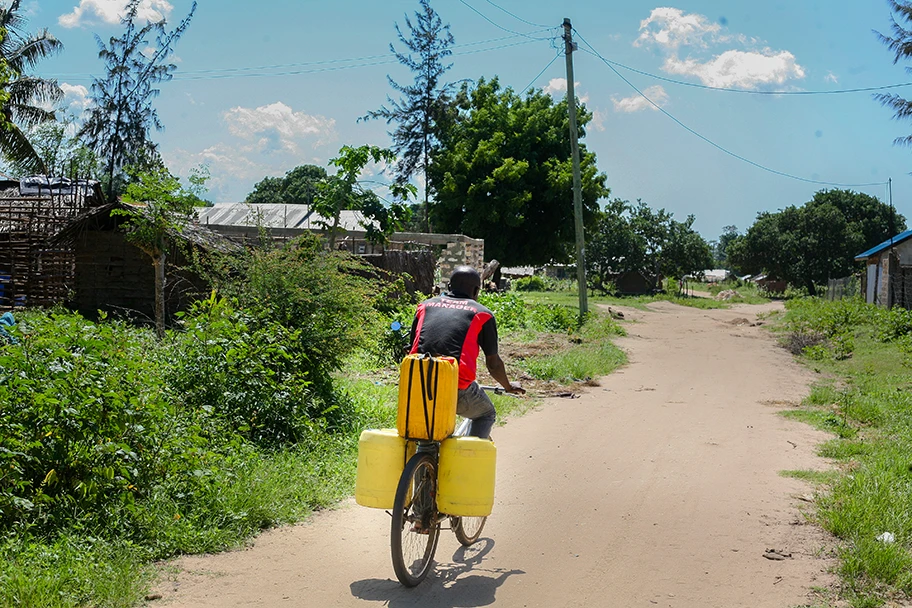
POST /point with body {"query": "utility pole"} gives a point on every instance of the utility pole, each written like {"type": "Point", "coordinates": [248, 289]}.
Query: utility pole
{"type": "Point", "coordinates": [569, 47]}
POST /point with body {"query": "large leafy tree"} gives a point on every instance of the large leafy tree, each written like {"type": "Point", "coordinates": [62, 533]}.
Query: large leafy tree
{"type": "Point", "coordinates": [818, 241]}
{"type": "Point", "coordinates": [121, 120]}
{"type": "Point", "coordinates": [26, 96]}
{"type": "Point", "coordinates": [420, 113]}
{"type": "Point", "coordinates": [629, 237]}
{"type": "Point", "coordinates": [504, 173]}
{"type": "Point", "coordinates": [297, 187]}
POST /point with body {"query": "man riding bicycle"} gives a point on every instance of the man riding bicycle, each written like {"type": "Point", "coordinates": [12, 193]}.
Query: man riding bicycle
{"type": "Point", "coordinates": [455, 325]}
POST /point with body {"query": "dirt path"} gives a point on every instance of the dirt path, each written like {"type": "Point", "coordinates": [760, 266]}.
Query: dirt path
{"type": "Point", "coordinates": [658, 488]}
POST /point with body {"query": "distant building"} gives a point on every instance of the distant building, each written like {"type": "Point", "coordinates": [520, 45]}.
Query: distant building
{"type": "Point", "coordinates": [887, 280]}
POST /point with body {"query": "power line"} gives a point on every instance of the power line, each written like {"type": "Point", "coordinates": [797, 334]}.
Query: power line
{"type": "Point", "coordinates": [497, 25]}
{"type": "Point", "coordinates": [697, 85]}
{"type": "Point", "coordinates": [544, 69]}
{"type": "Point", "coordinates": [497, 6]}
{"type": "Point", "coordinates": [389, 60]}
{"type": "Point", "coordinates": [714, 144]}
{"type": "Point", "coordinates": [368, 60]}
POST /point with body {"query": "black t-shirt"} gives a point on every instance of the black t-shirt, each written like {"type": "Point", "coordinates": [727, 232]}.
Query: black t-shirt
{"type": "Point", "coordinates": [457, 327]}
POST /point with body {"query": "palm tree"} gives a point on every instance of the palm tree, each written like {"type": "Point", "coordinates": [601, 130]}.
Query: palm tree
{"type": "Point", "coordinates": [29, 95]}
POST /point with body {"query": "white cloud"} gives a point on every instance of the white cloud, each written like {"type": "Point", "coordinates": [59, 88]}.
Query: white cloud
{"type": "Point", "coordinates": [90, 12]}
{"type": "Point", "coordinates": [831, 77]}
{"type": "Point", "coordinates": [671, 28]}
{"type": "Point", "coordinates": [278, 128]}
{"type": "Point", "coordinates": [598, 120]}
{"type": "Point", "coordinates": [559, 85]}
{"type": "Point", "coordinates": [637, 103]}
{"type": "Point", "coordinates": [740, 69]}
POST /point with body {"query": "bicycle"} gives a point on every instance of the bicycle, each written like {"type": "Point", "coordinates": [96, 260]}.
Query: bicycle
{"type": "Point", "coordinates": [416, 521]}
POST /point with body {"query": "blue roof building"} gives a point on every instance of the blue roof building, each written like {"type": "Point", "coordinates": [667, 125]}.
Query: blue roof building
{"type": "Point", "coordinates": [887, 280]}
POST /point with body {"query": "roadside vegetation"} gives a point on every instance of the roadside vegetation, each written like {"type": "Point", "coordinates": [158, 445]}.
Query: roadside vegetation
{"type": "Point", "coordinates": [118, 449]}
{"type": "Point", "coordinates": [865, 355]}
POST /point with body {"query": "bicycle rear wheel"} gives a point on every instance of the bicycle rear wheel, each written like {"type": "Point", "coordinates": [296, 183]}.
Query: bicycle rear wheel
{"type": "Point", "coordinates": [415, 529]}
{"type": "Point", "coordinates": [468, 529]}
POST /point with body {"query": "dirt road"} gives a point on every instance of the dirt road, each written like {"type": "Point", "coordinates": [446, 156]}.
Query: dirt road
{"type": "Point", "coordinates": [658, 488]}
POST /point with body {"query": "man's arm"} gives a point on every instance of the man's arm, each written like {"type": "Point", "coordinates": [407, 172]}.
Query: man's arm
{"type": "Point", "coordinates": [497, 369]}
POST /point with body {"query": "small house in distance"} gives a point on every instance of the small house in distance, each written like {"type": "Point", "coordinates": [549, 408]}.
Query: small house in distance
{"type": "Point", "coordinates": [887, 280]}
{"type": "Point", "coordinates": [114, 276]}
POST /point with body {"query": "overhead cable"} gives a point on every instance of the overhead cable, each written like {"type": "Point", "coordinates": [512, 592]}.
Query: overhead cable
{"type": "Point", "coordinates": [697, 85]}
{"type": "Point", "coordinates": [712, 143]}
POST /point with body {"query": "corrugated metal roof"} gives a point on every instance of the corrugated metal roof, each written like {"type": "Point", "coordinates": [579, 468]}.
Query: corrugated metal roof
{"type": "Point", "coordinates": [275, 215]}
{"type": "Point", "coordinates": [896, 240]}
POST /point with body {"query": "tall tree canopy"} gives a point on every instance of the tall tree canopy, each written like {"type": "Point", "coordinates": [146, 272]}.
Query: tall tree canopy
{"type": "Point", "coordinates": [900, 42]}
{"type": "Point", "coordinates": [297, 187]}
{"type": "Point", "coordinates": [421, 111]}
{"type": "Point", "coordinates": [818, 241]}
{"type": "Point", "coordinates": [120, 122]}
{"type": "Point", "coordinates": [27, 96]}
{"type": "Point", "coordinates": [637, 238]}
{"type": "Point", "coordinates": [503, 173]}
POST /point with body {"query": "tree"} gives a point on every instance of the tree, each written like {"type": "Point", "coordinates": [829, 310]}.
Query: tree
{"type": "Point", "coordinates": [636, 238]}
{"type": "Point", "coordinates": [162, 207]}
{"type": "Point", "coordinates": [26, 96]}
{"type": "Point", "coordinates": [612, 246]}
{"type": "Point", "coordinates": [298, 187]}
{"type": "Point", "coordinates": [119, 124]}
{"type": "Point", "coordinates": [900, 42]}
{"type": "Point", "coordinates": [818, 241]}
{"type": "Point", "coordinates": [59, 151]}
{"type": "Point", "coordinates": [345, 191]}
{"type": "Point", "coordinates": [720, 247]}
{"type": "Point", "coordinates": [503, 173]}
{"type": "Point", "coordinates": [424, 104]}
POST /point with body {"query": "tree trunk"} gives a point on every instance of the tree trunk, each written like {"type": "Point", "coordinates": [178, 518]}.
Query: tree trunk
{"type": "Point", "coordinates": [159, 264]}
{"type": "Point", "coordinates": [332, 231]}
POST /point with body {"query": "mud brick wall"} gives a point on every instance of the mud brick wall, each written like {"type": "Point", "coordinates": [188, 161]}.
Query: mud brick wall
{"type": "Point", "coordinates": [463, 251]}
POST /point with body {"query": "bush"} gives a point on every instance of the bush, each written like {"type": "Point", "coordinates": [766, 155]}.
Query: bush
{"type": "Point", "coordinates": [82, 407]}
{"type": "Point", "coordinates": [532, 283]}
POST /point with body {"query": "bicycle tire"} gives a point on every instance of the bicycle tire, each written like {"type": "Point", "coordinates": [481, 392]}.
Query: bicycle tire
{"type": "Point", "coordinates": [415, 506]}
{"type": "Point", "coordinates": [468, 529]}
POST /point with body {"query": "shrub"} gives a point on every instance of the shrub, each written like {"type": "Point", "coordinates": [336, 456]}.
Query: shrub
{"type": "Point", "coordinates": [532, 283]}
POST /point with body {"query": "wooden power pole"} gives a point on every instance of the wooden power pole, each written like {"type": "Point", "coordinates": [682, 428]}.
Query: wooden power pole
{"type": "Point", "coordinates": [569, 47]}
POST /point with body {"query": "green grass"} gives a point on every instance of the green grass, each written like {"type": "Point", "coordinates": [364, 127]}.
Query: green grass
{"type": "Point", "coordinates": [865, 401]}
{"type": "Point", "coordinates": [571, 298]}
{"type": "Point", "coordinates": [817, 478]}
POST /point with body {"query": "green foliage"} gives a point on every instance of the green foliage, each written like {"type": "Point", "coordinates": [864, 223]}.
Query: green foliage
{"type": "Point", "coordinates": [120, 121]}
{"type": "Point", "coordinates": [297, 187]}
{"type": "Point", "coordinates": [900, 42]}
{"type": "Point", "coordinates": [809, 244]}
{"type": "Point", "coordinates": [426, 105]}
{"type": "Point", "coordinates": [78, 426]}
{"type": "Point", "coordinates": [867, 408]}
{"type": "Point", "coordinates": [635, 238]}
{"type": "Point", "coordinates": [344, 191]}
{"type": "Point", "coordinates": [531, 283]}
{"type": "Point", "coordinates": [25, 98]}
{"type": "Point", "coordinates": [503, 173]}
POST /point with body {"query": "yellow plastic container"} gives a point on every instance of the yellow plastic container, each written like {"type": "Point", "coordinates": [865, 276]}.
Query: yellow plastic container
{"type": "Point", "coordinates": [427, 397]}
{"type": "Point", "coordinates": [382, 455]}
{"type": "Point", "coordinates": [465, 478]}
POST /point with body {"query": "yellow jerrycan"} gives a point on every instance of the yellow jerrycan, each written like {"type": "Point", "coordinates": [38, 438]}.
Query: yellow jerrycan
{"type": "Point", "coordinates": [382, 455]}
{"type": "Point", "coordinates": [428, 387]}
{"type": "Point", "coordinates": [465, 477]}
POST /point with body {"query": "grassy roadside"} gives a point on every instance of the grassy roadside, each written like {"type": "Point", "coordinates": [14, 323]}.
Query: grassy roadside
{"type": "Point", "coordinates": [103, 559]}
{"type": "Point", "coordinates": [865, 401]}
{"type": "Point", "coordinates": [571, 298]}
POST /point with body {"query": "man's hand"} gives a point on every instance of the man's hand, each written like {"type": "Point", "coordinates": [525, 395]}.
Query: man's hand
{"type": "Point", "coordinates": [515, 389]}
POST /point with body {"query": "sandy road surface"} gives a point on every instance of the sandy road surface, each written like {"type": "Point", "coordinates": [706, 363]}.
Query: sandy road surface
{"type": "Point", "coordinates": [658, 488]}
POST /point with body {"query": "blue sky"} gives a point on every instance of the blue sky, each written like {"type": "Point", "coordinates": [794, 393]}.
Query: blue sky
{"type": "Point", "coordinates": [263, 87]}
